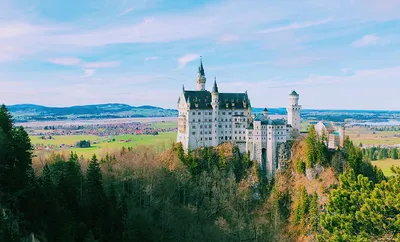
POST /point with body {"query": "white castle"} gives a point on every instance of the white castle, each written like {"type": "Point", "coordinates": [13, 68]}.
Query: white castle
{"type": "Point", "coordinates": [212, 118]}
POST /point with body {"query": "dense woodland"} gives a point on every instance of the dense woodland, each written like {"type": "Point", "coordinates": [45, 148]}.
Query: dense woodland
{"type": "Point", "coordinates": [211, 194]}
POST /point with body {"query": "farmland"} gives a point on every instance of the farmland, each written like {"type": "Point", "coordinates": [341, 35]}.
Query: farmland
{"type": "Point", "coordinates": [386, 164]}
{"type": "Point", "coordinates": [101, 145]}
{"type": "Point", "coordinates": [367, 136]}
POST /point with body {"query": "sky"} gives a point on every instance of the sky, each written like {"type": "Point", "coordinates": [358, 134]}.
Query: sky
{"type": "Point", "coordinates": [342, 54]}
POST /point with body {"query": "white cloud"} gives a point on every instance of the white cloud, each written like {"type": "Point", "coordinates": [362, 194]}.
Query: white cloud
{"type": "Point", "coordinates": [367, 40]}
{"type": "Point", "coordinates": [298, 61]}
{"type": "Point", "coordinates": [152, 58]}
{"type": "Point", "coordinates": [66, 61]}
{"type": "Point", "coordinates": [229, 38]}
{"type": "Point", "coordinates": [126, 11]}
{"type": "Point", "coordinates": [13, 30]}
{"type": "Point", "coordinates": [88, 72]}
{"type": "Point", "coordinates": [73, 61]}
{"type": "Point", "coordinates": [101, 64]}
{"type": "Point", "coordinates": [294, 26]}
{"type": "Point", "coordinates": [184, 60]}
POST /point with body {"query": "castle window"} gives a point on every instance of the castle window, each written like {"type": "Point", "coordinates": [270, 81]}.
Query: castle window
{"type": "Point", "coordinates": [230, 126]}
{"type": "Point", "coordinates": [201, 132]}
{"type": "Point", "coordinates": [194, 113]}
{"type": "Point", "coordinates": [240, 138]}
{"type": "Point", "coordinates": [201, 126]}
{"type": "Point", "coordinates": [219, 126]}
{"type": "Point", "coordinates": [193, 126]}
{"type": "Point", "coordinates": [242, 113]}
{"type": "Point", "coordinates": [235, 132]}
{"type": "Point", "coordinates": [194, 120]}
{"type": "Point", "coordinates": [209, 132]}
{"type": "Point", "coordinates": [193, 133]}
{"type": "Point", "coordinates": [199, 113]}
{"type": "Point", "coordinates": [235, 138]}
{"type": "Point", "coordinates": [223, 113]}
{"type": "Point", "coordinates": [210, 113]}
{"type": "Point", "coordinates": [235, 113]}
{"type": "Point", "coordinates": [199, 120]}
{"type": "Point", "coordinates": [201, 138]}
{"type": "Point", "coordinates": [230, 113]}
{"type": "Point", "coordinates": [209, 126]}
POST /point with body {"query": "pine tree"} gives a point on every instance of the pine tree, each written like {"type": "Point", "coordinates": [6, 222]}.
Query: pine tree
{"type": "Point", "coordinates": [314, 213]}
{"type": "Point", "coordinates": [96, 197]}
{"type": "Point", "coordinates": [312, 147]}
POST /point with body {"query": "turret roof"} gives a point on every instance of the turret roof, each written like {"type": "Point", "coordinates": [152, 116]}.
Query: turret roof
{"type": "Point", "coordinates": [294, 93]}
{"type": "Point", "coordinates": [215, 87]}
{"type": "Point", "coordinates": [201, 68]}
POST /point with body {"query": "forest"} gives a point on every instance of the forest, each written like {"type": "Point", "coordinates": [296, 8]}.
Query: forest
{"type": "Point", "coordinates": [210, 194]}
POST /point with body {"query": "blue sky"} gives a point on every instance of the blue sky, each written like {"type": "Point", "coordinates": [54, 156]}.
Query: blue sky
{"type": "Point", "coordinates": [340, 54]}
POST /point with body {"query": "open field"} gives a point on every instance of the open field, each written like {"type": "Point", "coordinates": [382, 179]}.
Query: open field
{"type": "Point", "coordinates": [386, 164]}
{"type": "Point", "coordinates": [165, 124]}
{"type": "Point", "coordinates": [103, 145]}
{"type": "Point", "coordinates": [369, 137]}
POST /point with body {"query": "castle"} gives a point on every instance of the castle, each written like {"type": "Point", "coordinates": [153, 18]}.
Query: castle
{"type": "Point", "coordinates": [335, 134]}
{"type": "Point", "coordinates": [212, 118]}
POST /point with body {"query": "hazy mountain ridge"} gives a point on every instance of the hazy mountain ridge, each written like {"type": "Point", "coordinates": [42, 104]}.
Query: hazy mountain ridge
{"type": "Point", "coordinates": [33, 112]}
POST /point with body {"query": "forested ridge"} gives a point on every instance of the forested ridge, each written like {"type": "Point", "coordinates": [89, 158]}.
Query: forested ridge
{"type": "Point", "coordinates": [210, 194]}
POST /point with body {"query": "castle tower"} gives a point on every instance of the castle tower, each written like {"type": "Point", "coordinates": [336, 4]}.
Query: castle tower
{"type": "Point", "coordinates": [215, 106]}
{"type": "Point", "coordinates": [293, 111]}
{"type": "Point", "coordinates": [201, 78]}
{"type": "Point", "coordinates": [265, 113]}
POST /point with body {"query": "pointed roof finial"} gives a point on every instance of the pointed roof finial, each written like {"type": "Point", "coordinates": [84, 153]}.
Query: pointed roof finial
{"type": "Point", "coordinates": [183, 87]}
{"type": "Point", "coordinates": [201, 68]}
{"type": "Point", "coordinates": [215, 87]}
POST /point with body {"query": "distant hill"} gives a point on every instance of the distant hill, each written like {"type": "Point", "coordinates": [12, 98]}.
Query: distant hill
{"type": "Point", "coordinates": [32, 112]}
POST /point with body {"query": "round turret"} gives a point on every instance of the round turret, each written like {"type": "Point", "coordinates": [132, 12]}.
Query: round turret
{"type": "Point", "coordinates": [294, 98]}
{"type": "Point", "coordinates": [265, 112]}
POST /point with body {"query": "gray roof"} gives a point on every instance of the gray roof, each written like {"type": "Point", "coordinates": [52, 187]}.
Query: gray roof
{"type": "Point", "coordinates": [226, 100]}
{"type": "Point", "coordinates": [265, 121]}
{"type": "Point", "coordinates": [294, 93]}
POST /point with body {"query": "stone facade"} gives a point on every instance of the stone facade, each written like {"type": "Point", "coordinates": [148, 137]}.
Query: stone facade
{"type": "Point", "coordinates": [335, 134]}
{"type": "Point", "coordinates": [212, 118]}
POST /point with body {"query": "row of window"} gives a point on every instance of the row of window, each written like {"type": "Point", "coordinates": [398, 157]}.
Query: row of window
{"type": "Point", "coordinates": [264, 126]}
{"type": "Point", "coordinates": [223, 113]}
{"type": "Point", "coordinates": [263, 138]}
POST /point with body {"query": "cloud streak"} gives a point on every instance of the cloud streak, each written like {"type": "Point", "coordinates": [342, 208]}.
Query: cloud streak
{"type": "Point", "coordinates": [294, 26]}
{"type": "Point", "coordinates": [184, 60]}
{"type": "Point", "coordinates": [367, 40]}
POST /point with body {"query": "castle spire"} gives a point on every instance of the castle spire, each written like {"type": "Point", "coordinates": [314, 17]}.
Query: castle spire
{"type": "Point", "coordinates": [201, 68]}
{"type": "Point", "coordinates": [183, 87]}
{"type": "Point", "coordinates": [201, 77]}
{"type": "Point", "coordinates": [215, 87]}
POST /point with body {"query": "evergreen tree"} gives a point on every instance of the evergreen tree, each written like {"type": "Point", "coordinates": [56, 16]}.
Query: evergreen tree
{"type": "Point", "coordinates": [314, 212]}
{"type": "Point", "coordinates": [312, 151]}
{"type": "Point", "coordinates": [96, 197]}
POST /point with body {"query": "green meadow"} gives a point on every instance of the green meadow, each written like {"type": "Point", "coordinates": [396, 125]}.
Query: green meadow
{"type": "Point", "coordinates": [103, 145]}
{"type": "Point", "coordinates": [386, 164]}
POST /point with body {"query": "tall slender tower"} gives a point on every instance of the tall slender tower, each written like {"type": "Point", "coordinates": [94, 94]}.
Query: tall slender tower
{"type": "Point", "coordinates": [201, 77]}
{"type": "Point", "coordinates": [215, 106]}
{"type": "Point", "coordinates": [293, 111]}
